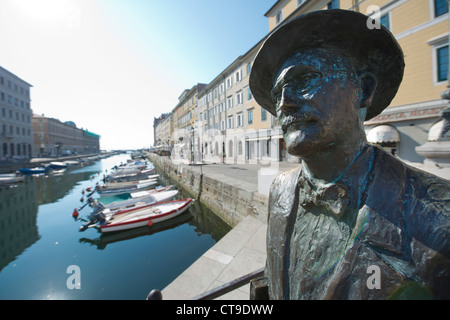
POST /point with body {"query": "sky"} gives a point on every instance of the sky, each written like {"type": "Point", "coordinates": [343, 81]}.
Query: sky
{"type": "Point", "coordinates": [112, 66]}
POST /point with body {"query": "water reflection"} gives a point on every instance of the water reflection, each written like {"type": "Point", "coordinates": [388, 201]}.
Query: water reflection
{"type": "Point", "coordinates": [51, 188]}
{"type": "Point", "coordinates": [202, 220]}
{"type": "Point", "coordinates": [18, 213]}
{"type": "Point", "coordinates": [104, 239]}
{"type": "Point", "coordinates": [38, 233]}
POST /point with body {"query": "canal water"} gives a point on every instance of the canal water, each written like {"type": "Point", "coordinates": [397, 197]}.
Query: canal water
{"type": "Point", "coordinates": [43, 255]}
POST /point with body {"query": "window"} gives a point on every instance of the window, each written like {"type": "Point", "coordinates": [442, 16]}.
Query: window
{"type": "Point", "coordinates": [249, 68]}
{"type": "Point", "coordinates": [263, 114]}
{"type": "Point", "coordinates": [442, 63]}
{"type": "Point", "coordinates": [384, 20]}
{"type": "Point", "coordinates": [440, 7]}
{"type": "Point", "coordinates": [238, 76]}
{"type": "Point", "coordinates": [239, 120]}
{"type": "Point", "coordinates": [230, 122]}
{"type": "Point", "coordinates": [249, 94]}
{"type": "Point", "coordinates": [333, 4]}
{"type": "Point", "coordinates": [222, 125]}
{"type": "Point", "coordinates": [229, 102]}
{"type": "Point", "coordinates": [229, 82]}
{"type": "Point", "coordinates": [250, 116]}
{"type": "Point", "coordinates": [279, 17]}
{"type": "Point", "coordinates": [239, 98]}
{"type": "Point", "coordinates": [221, 88]}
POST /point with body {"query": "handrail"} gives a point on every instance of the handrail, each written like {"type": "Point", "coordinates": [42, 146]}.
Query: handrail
{"type": "Point", "coordinates": [230, 286]}
{"type": "Point", "coordinates": [219, 291]}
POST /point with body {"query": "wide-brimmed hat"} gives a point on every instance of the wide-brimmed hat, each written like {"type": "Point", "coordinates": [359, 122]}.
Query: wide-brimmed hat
{"type": "Point", "coordinates": [374, 50]}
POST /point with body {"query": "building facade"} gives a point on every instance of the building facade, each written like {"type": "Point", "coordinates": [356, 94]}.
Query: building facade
{"type": "Point", "coordinates": [53, 138]}
{"type": "Point", "coordinates": [16, 130]}
{"type": "Point", "coordinates": [163, 134]}
{"type": "Point", "coordinates": [185, 137]}
{"type": "Point", "coordinates": [232, 127]}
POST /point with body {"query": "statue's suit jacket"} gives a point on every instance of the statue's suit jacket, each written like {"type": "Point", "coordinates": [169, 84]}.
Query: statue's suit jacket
{"type": "Point", "coordinates": [402, 228]}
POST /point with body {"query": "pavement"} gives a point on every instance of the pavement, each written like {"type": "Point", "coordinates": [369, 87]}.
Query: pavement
{"type": "Point", "coordinates": [242, 250]}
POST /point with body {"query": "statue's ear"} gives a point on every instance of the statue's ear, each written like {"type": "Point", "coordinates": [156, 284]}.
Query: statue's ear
{"type": "Point", "coordinates": [368, 84]}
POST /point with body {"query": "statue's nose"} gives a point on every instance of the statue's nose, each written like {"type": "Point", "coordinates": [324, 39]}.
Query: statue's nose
{"type": "Point", "coordinates": [287, 104]}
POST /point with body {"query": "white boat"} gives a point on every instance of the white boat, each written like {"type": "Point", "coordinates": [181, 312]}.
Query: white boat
{"type": "Point", "coordinates": [124, 184]}
{"type": "Point", "coordinates": [130, 175]}
{"type": "Point", "coordinates": [125, 189]}
{"type": "Point", "coordinates": [10, 178]}
{"type": "Point", "coordinates": [55, 165]}
{"type": "Point", "coordinates": [117, 207]}
{"type": "Point", "coordinates": [71, 163]}
{"type": "Point", "coordinates": [144, 216]}
{"type": "Point", "coordinates": [130, 195]}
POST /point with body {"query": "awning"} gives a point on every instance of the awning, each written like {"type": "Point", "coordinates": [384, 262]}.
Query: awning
{"type": "Point", "coordinates": [257, 138]}
{"type": "Point", "coordinates": [383, 134]}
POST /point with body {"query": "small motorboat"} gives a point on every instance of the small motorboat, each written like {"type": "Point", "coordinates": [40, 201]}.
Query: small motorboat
{"type": "Point", "coordinates": [57, 165]}
{"type": "Point", "coordinates": [132, 195]}
{"type": "Point", "coordinates": [31, 171]}
{"type": "Point", "coordinates": [132, 188]}
{"type": "Point", "coordinates": [145, 216]}
{"type": "Point", "coordinates": [10, 178]}
{"type": "Point", "coordinates": [124, 184]}
{"type": "Point", "coordinates": [130, 175]}
{"type": "Point", "coordinates": [117, 207]}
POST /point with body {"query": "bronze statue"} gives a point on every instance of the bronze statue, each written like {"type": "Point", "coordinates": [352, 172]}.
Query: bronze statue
{"type": "Point", "coordinates": [353, 222]}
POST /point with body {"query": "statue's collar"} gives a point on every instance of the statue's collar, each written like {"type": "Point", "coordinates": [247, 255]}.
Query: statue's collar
{"type": "Point", "coordinates": [348, 190]}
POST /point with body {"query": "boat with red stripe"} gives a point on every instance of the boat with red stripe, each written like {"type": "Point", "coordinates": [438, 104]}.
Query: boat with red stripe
{"type": "Point", "coordinates": [145, 216]}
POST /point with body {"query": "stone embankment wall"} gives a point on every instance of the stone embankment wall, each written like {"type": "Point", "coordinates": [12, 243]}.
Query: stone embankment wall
{"type": "Point", "coordinates": [229, 202]}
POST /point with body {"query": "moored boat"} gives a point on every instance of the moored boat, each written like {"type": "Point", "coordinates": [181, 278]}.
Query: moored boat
{"type": "Point", "coordinates": [9, 178]}
{"type": "Point", "coordinates": [125, 184]}
{"type": "Point", "coordinates": [55, 165]}
{"type": "Point", "coordinates": [130, 175]}
{"type": "Point", "coordinates": [130, 195]}
{"type": "Point", "coordinates": [115, 191]}
{"type": "Point", "coordinates": [118, 207]}
{"type": "Point", "coordinates": [145, 216]}
{"type": "Point", "coordinates": [35, 170]}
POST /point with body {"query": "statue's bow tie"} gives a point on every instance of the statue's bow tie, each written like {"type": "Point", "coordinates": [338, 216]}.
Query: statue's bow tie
{"type": "Point", "coordinates": [333, 197]}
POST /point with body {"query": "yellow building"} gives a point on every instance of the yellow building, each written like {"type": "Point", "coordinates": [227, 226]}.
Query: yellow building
{"type": "Point", "coordinates": [184, 119]}
{"type": "Point", "coordinates": [163, 129]}
{"type": "Point", "coordinates": [422, 30]}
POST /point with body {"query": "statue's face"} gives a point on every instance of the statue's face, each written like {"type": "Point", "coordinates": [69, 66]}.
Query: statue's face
{"type": "Point", "coordinates": [317, 101]}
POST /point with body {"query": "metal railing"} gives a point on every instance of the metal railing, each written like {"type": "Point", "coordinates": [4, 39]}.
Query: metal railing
{"type": "Point", "coordinates": [219, 291]}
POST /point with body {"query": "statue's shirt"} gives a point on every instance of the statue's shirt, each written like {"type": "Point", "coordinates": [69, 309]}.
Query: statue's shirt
{"type": "Point", "coordinates": [323, 239]}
